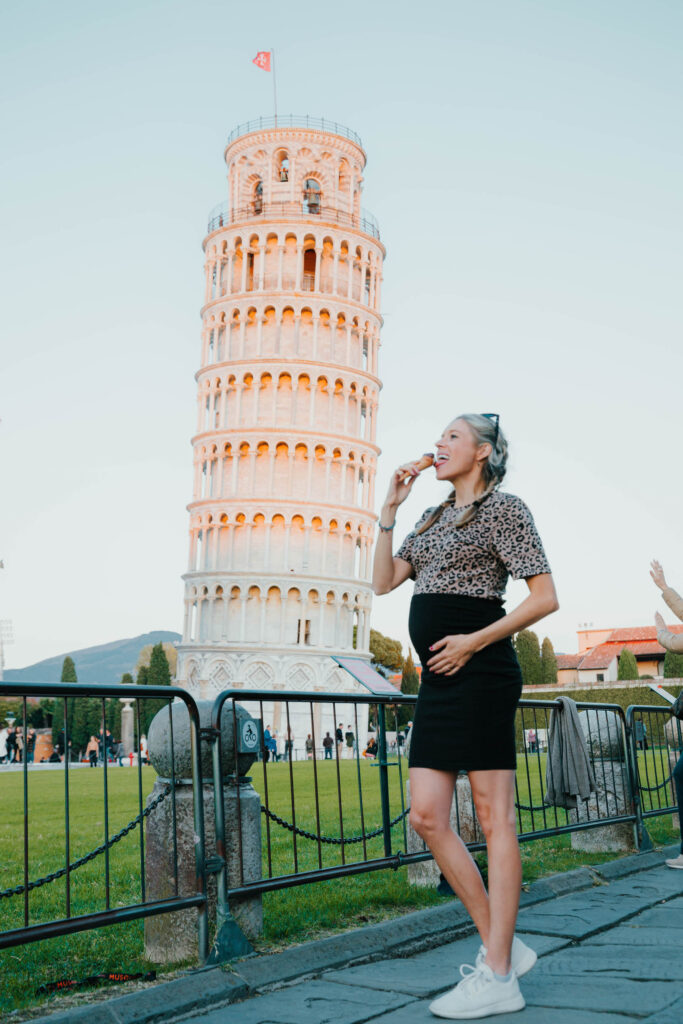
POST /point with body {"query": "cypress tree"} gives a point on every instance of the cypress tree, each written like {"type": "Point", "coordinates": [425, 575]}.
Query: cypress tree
{"type": "Point", "coordinates": [673, 665]}
{"type": "Point", "coordinates": [628, 666]}
{"type": "Point", "coordinates": [410, 683]}
{"type": "Point", "coordinates": [529, 657]}
{"type": "Point", "coordinates": [68, 676]}
{"type": "Point", "coordinates": [158, 674]}
{"type": "Point", "coordinates": [548, 663]}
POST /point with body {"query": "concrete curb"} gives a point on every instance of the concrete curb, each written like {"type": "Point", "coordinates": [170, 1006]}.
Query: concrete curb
{"type": "Point", "coordinates": [213, 987]}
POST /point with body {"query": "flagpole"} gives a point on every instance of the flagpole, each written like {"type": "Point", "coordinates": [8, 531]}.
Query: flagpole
{"type": "Point", "coordinates": [272, 64]}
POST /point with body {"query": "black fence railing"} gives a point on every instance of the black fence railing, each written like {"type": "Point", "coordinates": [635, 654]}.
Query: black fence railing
{"type": "Point", "coordinates": [656, 740]}
{"type": "Point", "coordinates": [117, 891]}
{"type": "Point", "coordinates": [320, 124]}
{"type": "Point", "coordinates": [330, 773]}
{"type": "Point", "coordinates": [222, 216]}
{"type": "Point", "coordinates": [313, 819]}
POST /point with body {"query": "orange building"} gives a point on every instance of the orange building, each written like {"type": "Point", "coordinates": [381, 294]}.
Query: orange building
{"type": "Point", "coordinates": [599, 649]}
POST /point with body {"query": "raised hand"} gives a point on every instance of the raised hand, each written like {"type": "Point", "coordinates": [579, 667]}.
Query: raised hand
{"type": "Point", "coordinates": [659, 621]}
{"type": "Point", "coordinates": [657, 574]}
{"type": "Point", "coordinates": [401, 485]}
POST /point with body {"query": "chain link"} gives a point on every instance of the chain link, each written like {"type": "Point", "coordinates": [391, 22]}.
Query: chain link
{"type": "Point", "coordinates": [19, 889]}
{"type": "Point", "coordinates": [331, 840]}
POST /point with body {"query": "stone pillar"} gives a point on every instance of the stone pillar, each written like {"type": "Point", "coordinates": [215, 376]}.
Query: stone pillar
{"type": "Point", "coordinates": [173, 937]}
{"type": "Point", "coordinates": [463, 821]}
{"type": "Point", "coordinates": [604, 739]}
{"type": "Point", "coordinates": [127, 731]}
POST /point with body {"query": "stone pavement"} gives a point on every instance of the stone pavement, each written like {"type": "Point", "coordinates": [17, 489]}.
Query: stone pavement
{"type": "Point", "coordinates": [610, 944]}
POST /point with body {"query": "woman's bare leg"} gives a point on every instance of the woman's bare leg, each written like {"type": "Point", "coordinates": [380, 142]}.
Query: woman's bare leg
{"type": "Point", "coordinates": [494, 799]}
{"type": "Point", "coordinates": [431, 798]}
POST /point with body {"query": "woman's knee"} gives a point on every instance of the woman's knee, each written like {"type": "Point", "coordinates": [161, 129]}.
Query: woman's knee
{"type": "Point", "coordinates": [426, 820]}
{"type": "Point", "coordinates": [497, 823]}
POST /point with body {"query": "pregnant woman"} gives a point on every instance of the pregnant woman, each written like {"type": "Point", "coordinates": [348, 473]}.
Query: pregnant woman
{"type": "Point", "coordinates": [460, 555]}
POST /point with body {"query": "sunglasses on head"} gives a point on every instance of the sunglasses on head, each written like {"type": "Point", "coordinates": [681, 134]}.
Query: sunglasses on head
{"type": "Point", "coordinates": [496, 417]}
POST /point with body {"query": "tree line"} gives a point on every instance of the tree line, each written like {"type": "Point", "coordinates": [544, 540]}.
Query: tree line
{"type": "Point", "coordinates": [85, 715]}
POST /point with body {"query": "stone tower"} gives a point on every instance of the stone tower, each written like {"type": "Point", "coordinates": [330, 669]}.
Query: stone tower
{"type": "Point", "coordinates": [281, 520]}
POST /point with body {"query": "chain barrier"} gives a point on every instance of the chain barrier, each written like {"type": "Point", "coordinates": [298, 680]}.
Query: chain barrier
{"type": "Point", "coordinates": [19, 889]}
{"type": "Point", "coordinates": [653, 789]}
{"type": "Point", "coordinates": [331, 840]}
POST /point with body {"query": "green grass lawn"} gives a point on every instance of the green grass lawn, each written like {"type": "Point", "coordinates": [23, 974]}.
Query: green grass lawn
{"type": "Point", "coordinates": [292, 915]}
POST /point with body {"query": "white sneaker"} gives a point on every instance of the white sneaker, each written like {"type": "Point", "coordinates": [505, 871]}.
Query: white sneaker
{"type": "Point", "coordinates": [522, 957]}
{"type": "Point", "coordinates": [479, 994]}
{"type": "Point", "coordinates": [675, 862]}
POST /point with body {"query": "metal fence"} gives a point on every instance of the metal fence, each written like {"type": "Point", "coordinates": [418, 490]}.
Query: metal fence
{"type": "Point", "coordinates": [321, 124]}
{"type": "Point", "coordinates": [351, 816]}
{"type": "Point", "coordinates": [29, 926]}
{"type": "Point", "coordinates": [656, 744]}
{"type": "Point", "coordinates": [341, 809]}
{"type": "Point", "coordinates": [221, 215]}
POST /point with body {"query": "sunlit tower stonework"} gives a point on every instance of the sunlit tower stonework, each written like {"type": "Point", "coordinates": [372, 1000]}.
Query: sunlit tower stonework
{"type": "Point", "coordinates": [282, 521]}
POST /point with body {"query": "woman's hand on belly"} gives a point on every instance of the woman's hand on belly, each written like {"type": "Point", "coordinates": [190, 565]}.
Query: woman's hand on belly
{"type": "Point", "coordinates": [452, 653]}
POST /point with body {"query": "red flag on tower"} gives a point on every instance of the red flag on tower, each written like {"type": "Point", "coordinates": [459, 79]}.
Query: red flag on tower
{"type": "Point", "coordinates": [262, 60]}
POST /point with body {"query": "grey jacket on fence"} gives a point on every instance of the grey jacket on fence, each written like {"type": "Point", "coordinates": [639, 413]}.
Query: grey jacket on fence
{"type": "Point", "coordinates": [568, 770]}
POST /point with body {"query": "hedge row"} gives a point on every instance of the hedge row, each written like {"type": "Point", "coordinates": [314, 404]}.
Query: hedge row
{"type": "Point", "coordinates": [624, 697]}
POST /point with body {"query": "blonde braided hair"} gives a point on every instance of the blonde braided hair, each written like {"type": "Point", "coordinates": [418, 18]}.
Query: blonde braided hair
{"type": "Point", "coordinates": [493, 470]}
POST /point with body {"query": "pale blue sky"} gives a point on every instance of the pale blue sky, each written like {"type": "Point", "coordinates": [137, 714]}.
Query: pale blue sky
{"type": "Point", "coordinates": [524, 163]}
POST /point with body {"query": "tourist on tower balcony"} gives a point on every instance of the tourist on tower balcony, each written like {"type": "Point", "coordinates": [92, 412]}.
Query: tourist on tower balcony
{"type": "Point", "coordinates": [671, 642]}
{"type": "Point", "coordinates": [460, 556]}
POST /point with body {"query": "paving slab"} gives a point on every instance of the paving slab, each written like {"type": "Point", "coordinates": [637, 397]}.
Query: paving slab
{"type": "Point", "coordinates": [430, 972]}
{"type": "Point", "coordinates": [580, 915]}
{"type": "Point", "coordinates": [311, 1002]}
{"type": "Point", "coordinates": [662, 883]}
{"type": "Point", "coordinates": [418, 1013]}
{"type": "Point", "coordinates": [636, 934]}
{"type": "Point", "coordinates": [623, 961]}
{"type": "Point", "coordinates": [577, 992]}
{"type": "Point", "coordinates": [672, 1014]}
{"type": "Point", "coordinates": [662, 916]}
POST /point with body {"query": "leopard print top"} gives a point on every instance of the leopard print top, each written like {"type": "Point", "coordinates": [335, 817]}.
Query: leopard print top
{"type": "Point", "coordinates": [476, 559]}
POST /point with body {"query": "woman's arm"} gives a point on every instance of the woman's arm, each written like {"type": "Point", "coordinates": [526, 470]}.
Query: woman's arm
{"type": "Point", "coordinates": [455, 651]}
{"type": "Point", "coordinates": [389, 572]}
{"type": "Point", "coordinates": [670, 641]}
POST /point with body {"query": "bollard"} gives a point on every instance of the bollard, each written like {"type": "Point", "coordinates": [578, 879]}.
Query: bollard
{"type": "Point", "coordinates": [613, 796]}
{"type": "Point", "coordinates": [127, 731]}
{"type": "Point", "coordinates": [170, 938]}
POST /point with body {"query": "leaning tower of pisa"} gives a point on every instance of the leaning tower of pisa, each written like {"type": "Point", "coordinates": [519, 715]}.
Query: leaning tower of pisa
{"type": "Point", "coordinates": [281, 518]}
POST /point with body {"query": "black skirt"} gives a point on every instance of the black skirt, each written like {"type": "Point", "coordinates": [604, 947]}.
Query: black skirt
{"type": "Point", "coordinates": [466, 721]}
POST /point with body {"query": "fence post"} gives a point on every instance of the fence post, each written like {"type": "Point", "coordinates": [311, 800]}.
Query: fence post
{"type": "Point", "coordinates": [643, 841]}
{"type": "Point", "coordinates": [384, 777]}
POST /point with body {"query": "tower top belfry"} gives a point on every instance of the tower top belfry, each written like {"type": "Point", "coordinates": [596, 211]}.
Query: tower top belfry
{"type": "Point", "coordinates": [281, 521]}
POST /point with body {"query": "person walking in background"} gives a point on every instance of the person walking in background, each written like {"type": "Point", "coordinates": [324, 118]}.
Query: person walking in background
{"type": "Point", "coordinates": [92, 751]}
{"type": "Point", "coordinates": [339, 737]}
{"type": "Point", "coordinates": [328, 743]}
{"type": "Point", "coordinates": [289, 744]}
{"type": "Point", "coordinates": [671, 642]}
{"type": "Point", "coordinates": [309, 746]}
{"type": "Point", "coordinates": [11, 745]}
{"type": "Point", "coordinates": [460, 555]}
{"type": "Point", "coordinates": [350, 741]}
{"type": "Point", "coordinates": [30, 746]}
{"type": "Point", "coordinates": [3, 744]}
{"type": "Point", "coordinates": [143, 749]}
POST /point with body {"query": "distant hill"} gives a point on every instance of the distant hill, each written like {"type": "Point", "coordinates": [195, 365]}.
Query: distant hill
{"type": "Point", "coordinates": [105, 663]}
